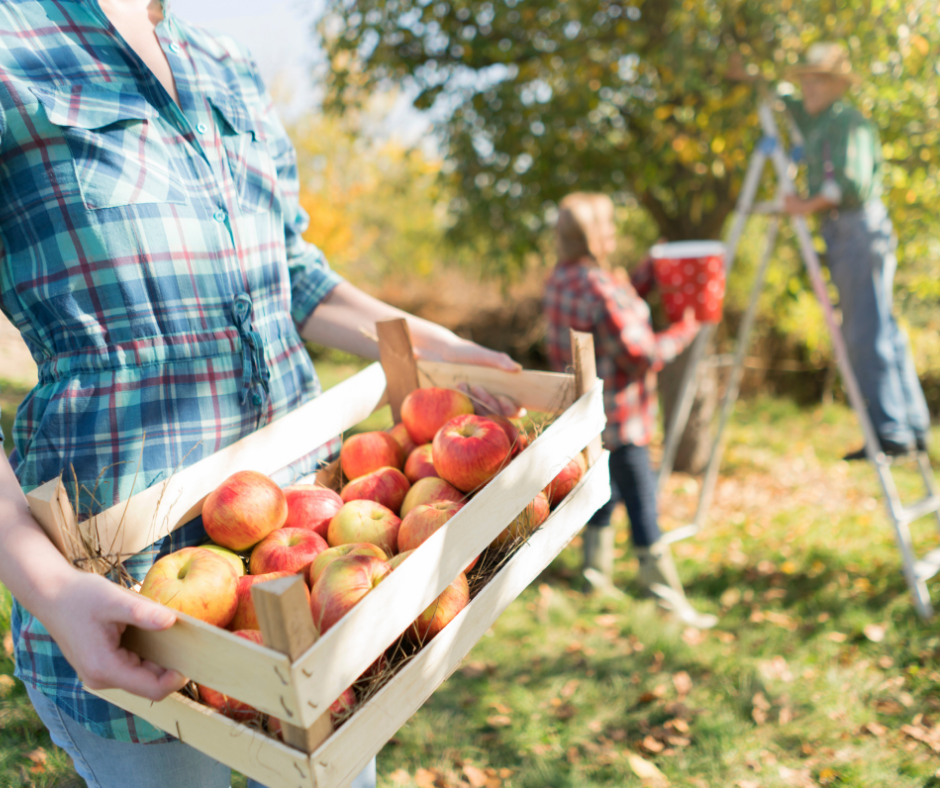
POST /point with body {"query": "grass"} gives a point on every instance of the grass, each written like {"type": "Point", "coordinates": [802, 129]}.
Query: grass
{"type": "Point", "coordinates": [819, 673]}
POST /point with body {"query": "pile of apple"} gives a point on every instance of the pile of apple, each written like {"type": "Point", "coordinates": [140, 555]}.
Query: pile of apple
{"type": "Point", "coordinates": [403, 485]}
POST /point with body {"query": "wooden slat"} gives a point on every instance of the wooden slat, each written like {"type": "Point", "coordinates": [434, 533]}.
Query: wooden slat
{"type": "Point", "coordinates": [150, 515]}
{"type": "Point", "coordinates": [56, 519]}
{"type": "Point", "coordinates": [249, 751]}
{"type": "Point", "coordinates": [546, 392]}
{"type": "Point", "coordinates": [585, 373]}
{"type": "Point", "coordinates": [398, 361]}
{"type": "Point", "coordinates": [287, 626]}
{"type": "Point", "coordinates": [374, 624]}
{"type": "Point", "coordinates": [220, 660]}
{"type": "Point", "coordinates": [346, 753]}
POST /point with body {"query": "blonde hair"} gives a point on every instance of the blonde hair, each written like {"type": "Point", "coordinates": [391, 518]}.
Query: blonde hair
{"type": "Point", "coordinates": [578, 229]}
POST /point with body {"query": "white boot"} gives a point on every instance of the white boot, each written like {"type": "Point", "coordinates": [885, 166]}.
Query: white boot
{"type": "Point", "coordinates": [659, 577]}
{"type": "Point", "coordinates": [598, 567]}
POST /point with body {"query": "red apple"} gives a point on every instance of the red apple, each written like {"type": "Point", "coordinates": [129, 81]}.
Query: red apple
{"type": "Point", "coordinates": [424, 520]}
{"type": "Point", "coordinates": [526, 521]}
{"type": "Point", "coordinates": [245, 616]}
{"type": "Point", "coordinates": [243, 510]}
{"type": "Point", "coordinates": [343, 583]}
{"type": "Point", "coordinates": [387, 486]}
{"type": "Point", "coordinates": [425, 411]}
{"type": "Point", "coordinates": [518, 440]}
{"type": "Point", "coordinates": [369, 451]}
{"type": "Point", "coordinates": [468, 451]}
{"type": "Point", "coordinates": [419, 464]}
{"type": "Point", "coordinates": [565, 481]}
{"type": "Point", "coordinates": [286, 550]}
{"type": "Point", "coordinates": [441, 611]}
{"type": "Point", "coordinates": [194, 581]}
{"type": "Point", "coordinates": [395, 561]}
{"type": "Point", "coordinates": [365, 521]}
{"type": "Point", "coordinates": [400, 433]}
{"type": "Point", "coordinates": [430, 490]}
{"type": "Point", "coordinates": [231, 708]}
{"type": "Point", "coordinates": [311, 506]}
{"type": "Point", "coordinates": [238, 564]}
{"type": "Point", "coordinates": [313, 572]}
{"type": "Point", "coordinates": [340, 709]}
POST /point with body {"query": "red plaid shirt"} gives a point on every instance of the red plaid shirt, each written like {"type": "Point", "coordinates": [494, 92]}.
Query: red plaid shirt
{"type": "Point", "coordinates": [629, 353]}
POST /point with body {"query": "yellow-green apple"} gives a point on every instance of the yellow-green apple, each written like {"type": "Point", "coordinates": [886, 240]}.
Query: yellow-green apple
{"type": "Point", "coordinates": [286, 550]}
{"type": "Point", "coordinates": [425, 411]}
{"type": "Point", "coordinates": [424, 520]}
{"type": "Point", "coordinates": [400, 433]}
{"type": "Point", "coordinates": [441, 611]}
{"type": "Point", "coordinates": [526, 521]}
{"type": "Point", "coordinates": [369, 451]}
{"type": "Point", "coordinates": [313, 572]}
{"type": "Point", "coordinates": [565, 481]}
{"type": "Point", "coordinates": [243, 510]}
{"type": "Point", "coordinates": [430, 490]}
{"type": "Point", "coordinates": [237, 562]}
{"type": "Point", "coordinates": [231, 708]}
{"type": "Point", "coordinates": [419, 464]}
{"type": "Point", "coordinates": [195, 581]}
{"type": "Point", "coordinates": [468, 451]}
{"type": "Point", "coordinates": [245, 616]}
{"type": "Point", "coordinates": [387, 486]}
{"type": "Point", "coordinates": [365, 521]}
{"type": "Point", "coordinates": [340, 709]}
{"type": "Point", "coordinates": [395, 561]}
{"type": "Point", "coordinates": [343, 583]}
{"type": "Point", "coordinates": [311, 506]}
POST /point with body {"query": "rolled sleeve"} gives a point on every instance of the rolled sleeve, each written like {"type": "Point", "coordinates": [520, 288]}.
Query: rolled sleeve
{"type": "Point", "coordinates": [311, 280]}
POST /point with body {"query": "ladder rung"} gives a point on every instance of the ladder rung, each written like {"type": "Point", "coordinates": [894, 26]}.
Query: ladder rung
{"type": "Point", "coordinates": [928, 566]}
{"type": "Point", "coordinates": [929, 504]}
{"type": "Point", "coordinates": [678, 534]}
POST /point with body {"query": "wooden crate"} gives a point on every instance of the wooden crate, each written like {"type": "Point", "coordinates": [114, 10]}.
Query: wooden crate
{"type": "Point", "coordinates": [296, 676]}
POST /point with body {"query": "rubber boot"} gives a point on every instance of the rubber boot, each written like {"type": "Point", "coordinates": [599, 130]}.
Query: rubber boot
{"type": "Point", "coordinates": [660, 578]}
{"type": "Point", "coordinates": [598, 567]}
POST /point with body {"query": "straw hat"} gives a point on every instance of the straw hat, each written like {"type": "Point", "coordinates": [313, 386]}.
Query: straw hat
{"type": "Point", "coordinates": [826, 57]}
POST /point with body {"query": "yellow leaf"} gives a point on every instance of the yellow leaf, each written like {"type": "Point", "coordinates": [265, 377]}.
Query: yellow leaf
{"type": "Point", "coordinates": [647, 772]}
{"type": "Point", "coordinates": [477, 777]}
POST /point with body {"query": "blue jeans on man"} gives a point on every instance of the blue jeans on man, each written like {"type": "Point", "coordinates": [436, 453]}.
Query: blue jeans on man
{"type": "Point", "coordinates": [861, 249]}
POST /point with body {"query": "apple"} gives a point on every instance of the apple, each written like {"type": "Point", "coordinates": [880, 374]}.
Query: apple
{"type": "Point", "coordinates": [518, 440]}
{"type": "Point", "coordinates": [468, 451]}
{"type": "Point", "coordinates": [343, 583]}
{"type": "Point", "coordinates": [395, 561]}
{"type": "Point", "coordinates": [441, 611]}
{"type": "Point", "coordinates": [194, 581]}
{"type": "Point", "coordinates": [311, 506]}
{"type": "Point", "coordinates": [400, 433]}
{"type": "Point", "coordinates": [419, 464]}
{"type": "Point", "coordinates": [430, 490]}
{"type": "Point", "coordinates": [243, 510]}
{"type": "Point", "coordinates": [231, 708]}
{"type": "Point", "coordinates": [424, 520]}
{"type": "Point", "coordinates": [340, 709]}
{"type": "Point", "coordinates": [237, 562]}
{"type": "Point", "coordinates": [313, 572]}
{"type": "Point", "coordinates": [245, 616]}
{"type": "Point", "coordinates": [526, 521]}
{"type": "Point", "coordinates": [425, 411]}
{"type": "Point", "coordinates": [565, 481]}
{"type": "Point", "coordinates": [365, 521]}
{"type": "Point", "coordinates": [387, 486]}
{"type": "Point", "coordinates": [369, 451]}
{"type": "Point", "coordinates": [286, 550]}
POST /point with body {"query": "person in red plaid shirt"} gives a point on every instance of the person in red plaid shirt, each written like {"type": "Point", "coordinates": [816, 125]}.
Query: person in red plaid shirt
{"type": "Point", "coordinates": [583, 294]}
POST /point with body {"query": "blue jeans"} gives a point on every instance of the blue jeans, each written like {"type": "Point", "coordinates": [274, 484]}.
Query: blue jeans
{"type": "Point", "coordinates": [861, 256]}
{"type": "Point", "coordinates": [632, 482]}
{"type": "Point", "coordinates": [106, 763]}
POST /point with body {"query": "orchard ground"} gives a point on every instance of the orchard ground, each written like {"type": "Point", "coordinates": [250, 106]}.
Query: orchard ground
{"type": "Point", "coordinates": [819, 672]}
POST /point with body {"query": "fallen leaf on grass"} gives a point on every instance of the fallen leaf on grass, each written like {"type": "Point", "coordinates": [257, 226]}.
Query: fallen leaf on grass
{"type": "Point", "coordinates": [498, 721]}
{"type": "Point", "coordinates": [678, 724]}
{"type": "Point", "coordinates": [775, 668]}
{"type": "Point", "coordinates": [798, 777]}
{"type": "Point", "coordinates": [595, 726]}
{"type": "Point", "coordinates": [6, 685]}
{"type": "Point", "coordinates": [682, 682]}
{"type": "Point", "coordinates": [678, 741]}
{"type": "Point", "coordinates": [474, 670]}
{"type": "Point", "coordinates": [425, 778]}
{"type": "Point", "coordinates": [875, 729]}
{"type": "Point", "coordinates": [875, 632]}
{"type": "Point", "coordinates": [659, 691]}
{"type": "Point", "coordinates": [400, 777]}
{"type": "Point", "coordinates": [39, 757]}
{"type": "Point", "coordinates": [476, 777]}
{"type": "Point", "coordinates": [652, 745]}
{"type": "Point", "coordinates": [574, 647]}
{"type": "Point", "coordinates": [837, 637]}
{"type": "Point", "coordinates": [647, 772]}
{"type": "Point", "coordinates": [888, 706]}
{"type": "Point", "coordinates": [606, 620]}
{"type": "Point", "coordinates": [906, 699]}
{"type": "Point", "coordinates": [8, 644]}
{"type": "Point", "coordinates": [693, 637]}
{"type": "Point", "coordinates": [565, 711]}
{"type": "Point", "coordinates": [785, 716]}
{"type": "Point", "coordinates": [747, 784]}
{"type": "Point", "coordinates": [761, 707]}
{"type": "Point", "coordinates": [827, 775]}
{"type": "Point", "coordinates": [726, 637]}
{"type": "Point", "coordinates": [500, 708]}
{"type": "Point", "coordinates": [928, 736]}
{"type": "Point", "coordinates": [570, 688]}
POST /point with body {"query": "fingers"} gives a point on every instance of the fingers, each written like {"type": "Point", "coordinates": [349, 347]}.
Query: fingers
{"type": "Point", "coordinates": [145, 679]}
{"type": "Point", "coordinates": [510, 408]}
{"type": "Point", "coordinates": [141, 612]}
{"type": "Point", "coordinates": [484, 403]}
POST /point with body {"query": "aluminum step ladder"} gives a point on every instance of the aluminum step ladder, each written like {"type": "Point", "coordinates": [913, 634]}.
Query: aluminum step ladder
{"type": "Point", "coordinates": [916, 571]}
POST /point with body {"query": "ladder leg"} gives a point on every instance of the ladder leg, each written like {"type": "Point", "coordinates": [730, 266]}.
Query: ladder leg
{"type": "Point", "coordinates": [734, 382]}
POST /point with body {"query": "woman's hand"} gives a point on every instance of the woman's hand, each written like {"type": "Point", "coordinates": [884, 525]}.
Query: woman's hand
{"type": "Point", "coordinates": [486, 404]}
{"type": "Point", "coordinates": [435, 343]}
{"type": "Point", "coordinates": [87, 625]}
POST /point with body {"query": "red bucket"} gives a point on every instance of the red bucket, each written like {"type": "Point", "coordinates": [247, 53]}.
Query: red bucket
{"type": "Point", "coordinates": [691, 274]}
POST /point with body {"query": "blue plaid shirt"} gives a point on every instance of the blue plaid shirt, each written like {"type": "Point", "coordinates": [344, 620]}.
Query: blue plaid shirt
{"type": "Point", "coordinates": [152, 258]}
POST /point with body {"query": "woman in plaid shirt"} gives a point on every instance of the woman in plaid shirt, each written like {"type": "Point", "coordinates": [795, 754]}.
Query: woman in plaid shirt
{"type": "Point", "coordinates": [583, 294]}
{"type": "Point", "coordinates": [152, 258]}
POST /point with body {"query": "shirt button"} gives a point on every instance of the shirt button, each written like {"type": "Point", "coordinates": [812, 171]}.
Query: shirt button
{"type": "Point", "coordinates": [220, 215]}
{"type": "Point", "coordinates": [257, 400]}
{"type": "Point", "coordinates": [202, 128]}
{"type": "Point", "coordinates": [174, 48]}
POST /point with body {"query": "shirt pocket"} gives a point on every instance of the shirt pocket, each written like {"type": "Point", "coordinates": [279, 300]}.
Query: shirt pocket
{"type": "Point", "coordinates": [119, 156]}
{"type": "Point", "coordinates": [252, 167]}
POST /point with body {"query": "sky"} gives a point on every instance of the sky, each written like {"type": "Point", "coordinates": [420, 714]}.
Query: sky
{"type": "Point", "coordinates": [280, 37]}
